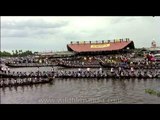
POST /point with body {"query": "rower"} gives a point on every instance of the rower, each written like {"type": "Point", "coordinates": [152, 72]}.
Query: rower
{"type": "Point", "coordinates": [119, 69]}
{"type": "Point", "coordinates": [145, 72]}
{"type": "Point", "coordinates": [38, 69]}
{"type": "Point", "coordinates": [3, 69]}
{"type": "Point", "coordinates": [8, 70]}
{"type": "Point", "coordinates": [132, 70]}
{"type": "Point", "coordinates": [79, 70]}
{"type": "Point", "coordinates": [112, 70]}
{"type": "Point", "coordinates": [52, 69]}
{"type": "Point", "coordinates": [100, 69]}
{"type": "Point", "coordinates": [88, 69]}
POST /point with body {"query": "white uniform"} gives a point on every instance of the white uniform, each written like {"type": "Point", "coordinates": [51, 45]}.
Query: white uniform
{"type": "Point", "coordinates": [132, 70]}
{"type": "Point", "coordinates": [8, 69]}
{"type": "Point", "coordinates": [88, 69]}
{"type": "Point", "coordinates": [112, 70]}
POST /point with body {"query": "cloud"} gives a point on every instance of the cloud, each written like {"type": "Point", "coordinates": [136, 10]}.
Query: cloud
{"type": "Point", "coordinates": [29, 28]}
{"type": "Point", "coordinates": [35, 24]}
{"type": "Point", "coordinates": [53, 33]}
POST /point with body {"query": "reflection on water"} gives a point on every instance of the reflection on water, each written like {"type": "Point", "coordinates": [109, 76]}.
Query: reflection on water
{"type": "Point", "coordinates": [109, 91]}
{"type": "Point", "coordinates": [106, 91]}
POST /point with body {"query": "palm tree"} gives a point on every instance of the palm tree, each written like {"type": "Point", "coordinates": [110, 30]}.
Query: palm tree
{"type": "Point", "coordinates": [16, 52]}
{"type": "Point", "coordinates": [20, 52]}
{"type": "Point", "coordinates": [13, 52]}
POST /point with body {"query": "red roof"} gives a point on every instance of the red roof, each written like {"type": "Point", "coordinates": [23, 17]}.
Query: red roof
{"type": "Point", "coordinates": [93, 47]}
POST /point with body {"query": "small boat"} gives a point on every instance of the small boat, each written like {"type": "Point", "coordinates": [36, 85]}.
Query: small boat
{"type": "Point", "coordinates": [30, 65]}
{"type": "Point", "coordinates": [125, 66]}
{"type": "Point", "coordinates": [17, 82]}
{"type": "Point", "coordinates": [67, 65]}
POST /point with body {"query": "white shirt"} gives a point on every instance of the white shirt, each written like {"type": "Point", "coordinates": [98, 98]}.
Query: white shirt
{"type": "Point", "coordinates": [112, 69]}
{"type": "Point", "coordinates": [132, 69]}
{"type": "Point", "coordinates": [88, 69]}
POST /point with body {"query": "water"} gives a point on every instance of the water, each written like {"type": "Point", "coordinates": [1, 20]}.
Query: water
{"type": "Point", "coordinates": [82, 91]}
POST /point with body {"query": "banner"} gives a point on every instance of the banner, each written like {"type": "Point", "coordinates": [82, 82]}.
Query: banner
{"type": "Point", "coordinates": [81, 42]}
{"type": "Point", "coordinates": [100, 46]}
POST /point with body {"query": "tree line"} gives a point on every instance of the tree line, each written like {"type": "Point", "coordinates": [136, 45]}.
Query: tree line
{"type": "Point", "coordinates": [16, 53]}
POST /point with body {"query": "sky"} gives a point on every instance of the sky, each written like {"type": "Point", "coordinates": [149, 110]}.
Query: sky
{"type": "Point", "coordinates": [53, 33]}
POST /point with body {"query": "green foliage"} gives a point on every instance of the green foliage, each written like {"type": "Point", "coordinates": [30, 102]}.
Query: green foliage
{"type": "Point", "coordinates": [5, 54]}
{"type": "Point", "coordinates": [16, 53]}
{"type": "Point", "coordinates": [152, 92]}
{"type": "Point", "coordinates": [25, 53]}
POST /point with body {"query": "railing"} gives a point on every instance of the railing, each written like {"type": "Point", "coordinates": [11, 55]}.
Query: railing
{"type": "Point", "coordinates": [102, 41]}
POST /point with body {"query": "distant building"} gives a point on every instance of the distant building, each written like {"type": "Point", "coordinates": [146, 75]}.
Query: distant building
{"type": "Point", "coordinates": [117, 46]}
{"type": "Point", "coordinates": [154, 49]}
{"type": "Point", "coordinates": [101, 47]}
{"type": "Point", "coordinates": [153, 44]}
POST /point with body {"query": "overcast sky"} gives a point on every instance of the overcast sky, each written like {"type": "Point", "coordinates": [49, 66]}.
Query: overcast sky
{"type": "Point", "coordinates": [53, 33]}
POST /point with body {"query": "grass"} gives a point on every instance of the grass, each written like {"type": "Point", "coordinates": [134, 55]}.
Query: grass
{"type": "Point", "coordinates": [152, 92]}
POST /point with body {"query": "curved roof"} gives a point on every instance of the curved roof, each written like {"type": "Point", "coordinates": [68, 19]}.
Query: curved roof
{"type": "Point", "coordinates": [94, 47]}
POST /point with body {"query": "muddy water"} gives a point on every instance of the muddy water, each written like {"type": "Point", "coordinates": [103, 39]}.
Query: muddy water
{"type": "Point", "coordinates": [82, 91]}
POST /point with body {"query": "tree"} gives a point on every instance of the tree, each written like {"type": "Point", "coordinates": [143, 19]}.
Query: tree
{"type": "Point", "coordinates": [13, 52]}
{"type": "Point", "coordinates": [5, 54]}
{"type": "Point", "coordinates": [16, 52]}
